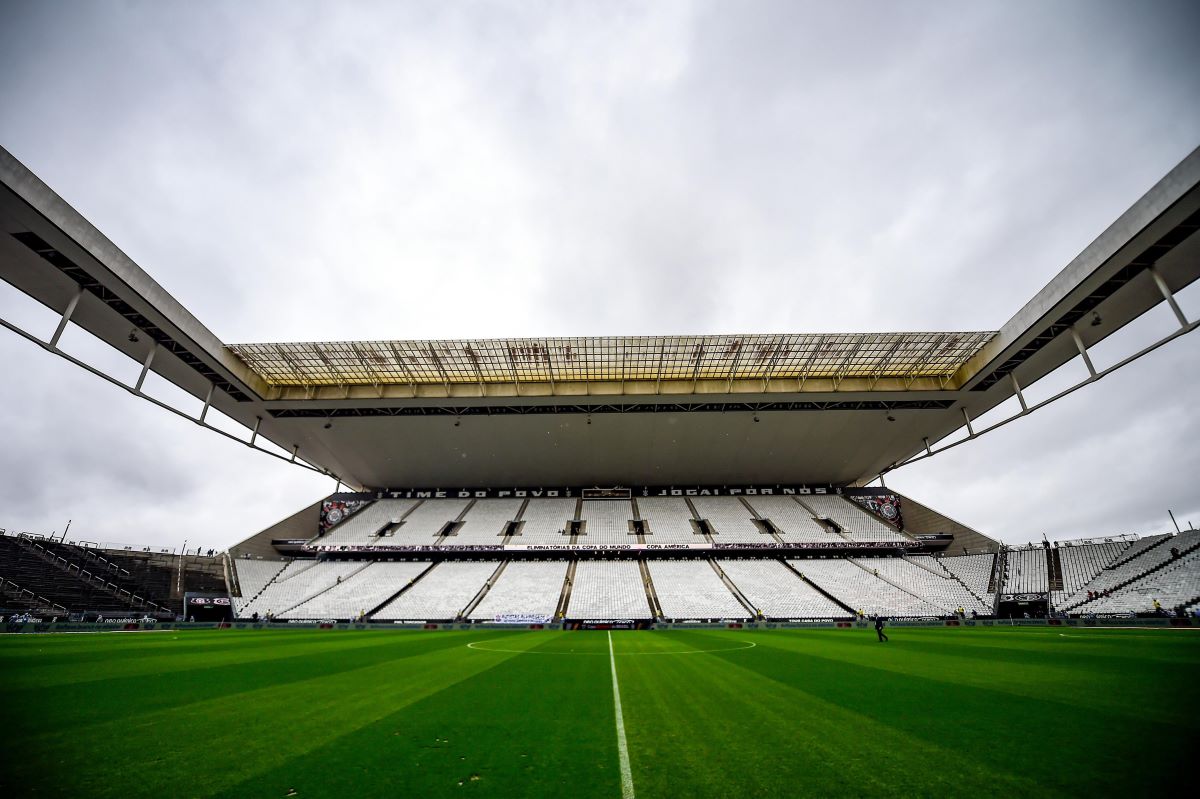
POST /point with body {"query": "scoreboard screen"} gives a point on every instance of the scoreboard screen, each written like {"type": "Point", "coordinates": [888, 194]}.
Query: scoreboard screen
{"type": "Point", "coordinates": [206, 607]}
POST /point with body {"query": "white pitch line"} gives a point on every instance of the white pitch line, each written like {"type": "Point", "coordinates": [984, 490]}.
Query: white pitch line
{"type": "Point", "coordinates": [622, 747]}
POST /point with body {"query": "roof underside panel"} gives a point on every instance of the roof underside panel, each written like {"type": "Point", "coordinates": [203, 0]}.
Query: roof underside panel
{"type": "Point", "coordinates": [542, 360]}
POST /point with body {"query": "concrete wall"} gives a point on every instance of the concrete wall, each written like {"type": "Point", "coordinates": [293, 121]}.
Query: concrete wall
{"type": "Point", "coordinates": [301, 524]}
{"type": "Point", "coordinates": [921, 519]}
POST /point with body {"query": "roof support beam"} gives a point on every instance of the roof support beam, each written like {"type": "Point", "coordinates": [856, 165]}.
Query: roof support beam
{"type": "Point", "coordinates": [438, 363]}
{"type": "Point", "coordinates": [207, 402]}
{"type": "Point", "coordinates": [840, 374]}
{"type": "Point", "coordinates": [368, 367]}
{"type": "Point", "coordinates": [1087, 359]}
{"type": "Point", "coordinates": [737, 357]}
{"type": "Point", "coordinates": [1012, 377]}
{"type": "Point", "coordinates": [811, 359]}
{"type": "Point", "coordinates": [403, 368]}
{"type": "Point", "coordinates": [145, 369]}
{"type": "Point", "coordinates": [885, 361]}
{"type": "Point", "coordinates": [66, 317]}
{"type": "Point", "coordinates": [776, 348]}
{"type": "Point", "coordinates": [1168, 296]}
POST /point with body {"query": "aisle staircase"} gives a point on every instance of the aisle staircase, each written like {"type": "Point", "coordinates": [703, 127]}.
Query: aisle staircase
{"type": "Point", "coordinates": [403, 588]}
{"type": "Point", "coordinates": [564, 598]}
{"type": "Point", "coordinates": [733, 589]}
{"type": "Point", "coordinates": [851, 611]}
{"type": "Point", "coordinates": [651, 594]}
{"type": "Point", "coordinates": [487, 586]}
{"type": "Point", "coordinates": [99, 581]}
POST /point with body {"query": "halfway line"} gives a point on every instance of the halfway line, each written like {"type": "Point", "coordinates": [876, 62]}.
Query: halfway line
{"type": "Point", "coordinates": [622, 747]}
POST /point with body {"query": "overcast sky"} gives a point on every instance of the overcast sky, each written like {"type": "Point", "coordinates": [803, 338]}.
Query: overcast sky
{"type": "Point", "coordinates": [300, 171]}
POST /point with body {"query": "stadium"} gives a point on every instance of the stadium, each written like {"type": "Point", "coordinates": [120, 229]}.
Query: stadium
{"type": "Point", "coordinates": [613, 566]}
{"type": "Point", "coordinates": [508, 493]}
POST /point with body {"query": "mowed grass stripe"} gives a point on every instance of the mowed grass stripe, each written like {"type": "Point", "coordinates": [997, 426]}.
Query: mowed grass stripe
{"type": "Point", "coordinates": [1169, 646]}
{"type": "Point", "coordinates": [1122, 688]}
{"type": "Point", "coordinates": [937, 711]}
{"type": "Point", "coordinates": [230, 737]}
{"type": "Point", "coordinates": [753, 736]}
{"type": "Point", "coordinates": [76, 649]}
{"type": "Point", "coordinates": [175, 655]}
{"type": "Point", "coordinates": [532, 725]}
{"type": "Point", "coordinates": [196, 679]}
{"type": "Point", "coordinates": [1018, 734]}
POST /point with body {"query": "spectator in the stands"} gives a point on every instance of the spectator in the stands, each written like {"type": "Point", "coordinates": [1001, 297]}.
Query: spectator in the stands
{"type": "Point", "coordinates": [1174, 553]}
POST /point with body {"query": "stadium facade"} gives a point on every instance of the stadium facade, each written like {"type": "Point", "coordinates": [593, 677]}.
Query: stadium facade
{"type": "Point", "coordinates": [632, 478]}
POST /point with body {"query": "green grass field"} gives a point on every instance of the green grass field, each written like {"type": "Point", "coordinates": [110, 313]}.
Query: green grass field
{"type": "Point", "coordinates": [980, 712]}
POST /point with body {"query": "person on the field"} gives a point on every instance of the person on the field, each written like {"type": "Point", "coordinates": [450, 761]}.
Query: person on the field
{"type": "Point", "coordinates": [879, 628]}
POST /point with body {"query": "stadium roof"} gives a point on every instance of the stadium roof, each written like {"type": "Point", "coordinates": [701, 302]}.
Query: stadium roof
{"type": "Point", "coordinates": [627, 360]}
{"type": "Point", "coordinates": [687, 410]}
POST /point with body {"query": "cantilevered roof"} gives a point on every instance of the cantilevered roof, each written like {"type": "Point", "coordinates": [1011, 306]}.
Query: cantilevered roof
{"type": "Point", "coordinates": [686, 410]}
{"type": "Point", "coordinates": [800, 356]}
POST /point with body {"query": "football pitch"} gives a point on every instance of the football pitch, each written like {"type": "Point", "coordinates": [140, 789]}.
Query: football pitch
{"type": "Point", "coordinates": [307, 713]}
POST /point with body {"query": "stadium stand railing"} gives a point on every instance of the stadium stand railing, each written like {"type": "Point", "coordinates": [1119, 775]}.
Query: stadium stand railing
{"type": "Point", "coordinates": [1126, 570]}
{"type": "Point", "coordinates": [112, 581]}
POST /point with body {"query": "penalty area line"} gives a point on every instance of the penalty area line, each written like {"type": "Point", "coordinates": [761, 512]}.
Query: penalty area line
{"type": "Point", "coordinates": [622, 747]}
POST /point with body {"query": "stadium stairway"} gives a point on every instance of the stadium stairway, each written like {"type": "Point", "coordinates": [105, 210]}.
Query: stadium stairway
{"type": "Point", "coordinates": [451, 528]}
{"type": "Point", "coordinates": [637, 514]}
{"type": "Point", "coordinates": [766, 524]}
{"type": "Point", "coordinates": [946, 573]}
{"type": "Point", "coordinates": [998, 568]}
{"type": "Point", "coordinates": [313, 596]}
{"type": "Point", "coordinates": [564, 597]}
{"type": "Point", "coordinates": [275, 577]}
{"type": "Point", "coordinates": [483, 590]}
{"type": "Point", "coordinates": [403, 588]}
{"type": "Point", "coordinates": [853, 612]}
{"type": "Point", "coordinates": [31, 577]}
{"type": "Point", "coordinates": [1135, 551]}
{"type": "Point", "coordinates": [1157, 567]}
{"type": "Point", "coordinates": [1054, 570]}
{"type": "Point", "coordinates": [14, 594]}
{"type": "Point", "coordinates": [651, 594]}
{"type": "Point", "coordinates": [921, 565]}
{"type": "Point", "coordinates": [825, 521]}
{"type": "Point", "coordinates": [103, 582]}
{"type": "Point", "coordinates": [515, 525]}
{"type": "Point", "coordinates": [894, 584]}
{"type": "Point", "coordinates": [697, 517]}
{"type": "Point", "coordinates": [733, 589]}
{"type": "Point", "coordinates": [231, 577]}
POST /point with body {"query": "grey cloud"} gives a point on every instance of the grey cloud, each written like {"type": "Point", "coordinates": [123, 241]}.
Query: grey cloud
{"type": "Point", "coordinates": [308, 170]}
